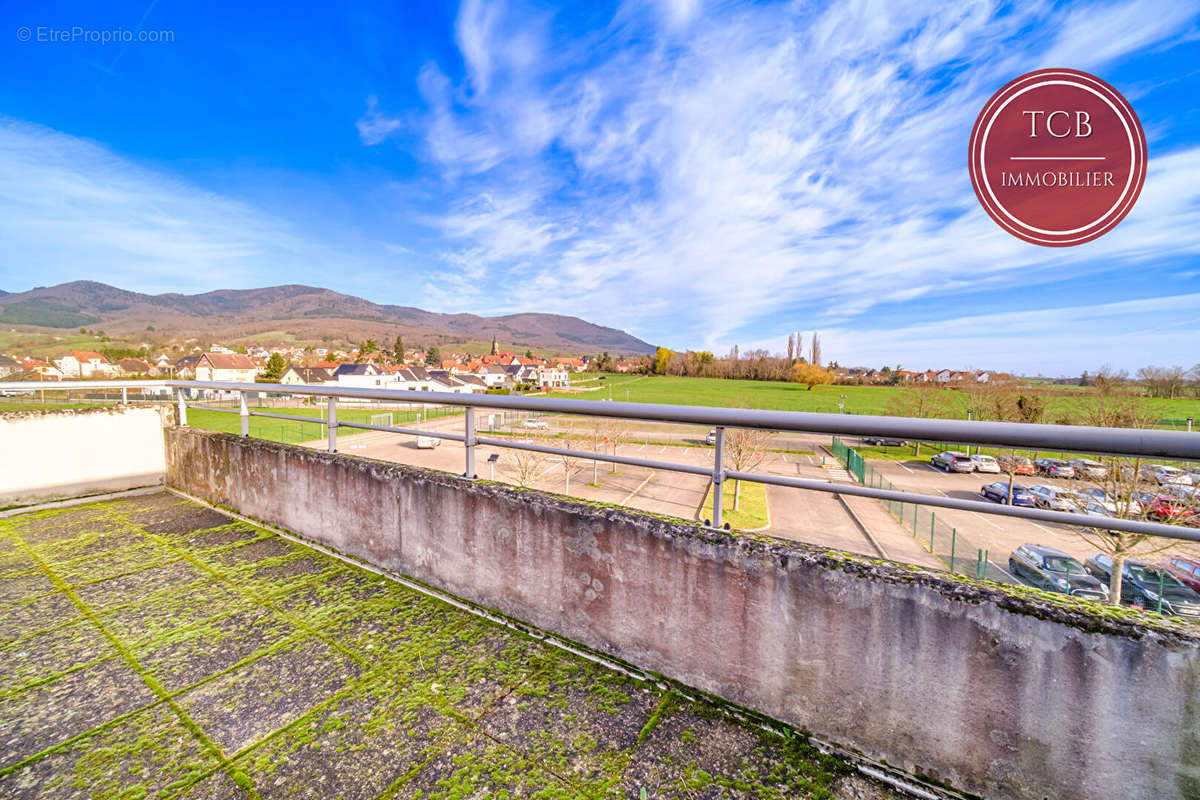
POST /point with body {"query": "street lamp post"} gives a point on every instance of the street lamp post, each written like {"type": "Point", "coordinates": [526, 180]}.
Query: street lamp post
{"type": "Point", "coordinates": [970, 414]}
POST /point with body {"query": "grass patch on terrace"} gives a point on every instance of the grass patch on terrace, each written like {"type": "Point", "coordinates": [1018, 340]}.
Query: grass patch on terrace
{"type": "Point", "coordinates": [159, 649]}
{"type": "Point", "coordinates": [751, 513]}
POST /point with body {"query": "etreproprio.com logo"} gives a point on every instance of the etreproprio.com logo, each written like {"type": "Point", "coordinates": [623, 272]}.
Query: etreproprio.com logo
{"type": "Point", "coordinates": [77, 34]}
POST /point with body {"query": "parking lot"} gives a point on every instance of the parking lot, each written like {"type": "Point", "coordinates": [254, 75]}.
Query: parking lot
{"type": "Point", "coordinates": [814, 517]}
{"type": "Point", "coordinates": [1000, 535]}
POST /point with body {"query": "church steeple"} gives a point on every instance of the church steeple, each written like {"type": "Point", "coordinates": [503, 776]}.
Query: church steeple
{"type": "Point", "coordinates": [495, 347]}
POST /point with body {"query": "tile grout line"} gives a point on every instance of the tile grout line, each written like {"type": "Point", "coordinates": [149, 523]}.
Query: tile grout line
{"type": "Point", "coordinates": [255, 597]}
{"type": "Point", "coordinates": [151, 683]}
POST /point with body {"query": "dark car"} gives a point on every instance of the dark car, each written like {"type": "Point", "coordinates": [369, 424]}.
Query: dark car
{"type": "Point", "coordinates": [1047, 568]}
{"type": "Point", "coordinates": [885, 441]}
{"type": "Point", "coordinates": [1147, 586]}
{"type": "Point", "coordinates": [998, 492]}
{"type": "Point", "coordinates": [1187, 570]}
{"type": "Point", "coordinates": [1054, 467]}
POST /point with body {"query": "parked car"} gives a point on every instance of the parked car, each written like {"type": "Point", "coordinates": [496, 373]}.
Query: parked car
{"type": "Point", "coordinates": [952, 461]}
{"type": "Point", "coordinates": [1048, 568]}
{"type": "Point", "coordinates": [1086, 468]}
{"type": "Point", "coordinates": [1168, 507]}
{"type": "Point", "coordinates": [535, 424]}
{"type": "Point", "coordinates": [1017, 465]}
{"type": "Point", "coordinates": [1053, 499]}
{"type": "Point", "coordinates": [1086, 505]}
{"type": "Point", "coordinates": [1163, 475]}
{"type": "Point", "coordinates": [1142, 583]}
{"type": "Point", "coordinates": [985, 463]}
{"type": "Point", "coordinates": [998, 492]}
{"type": "Point", "coordinates": [884, 441]}
{"type": "Point", "coordinates": [428, 442]}
{"type": "Point", "coordinates": [1097, 495]}
{"type": "Point", "coordinates": [711, 438]}
{"type": "Point", "coordinates": [1054, 467]}
{"type": "Point", "coordinates": [1187, 570]}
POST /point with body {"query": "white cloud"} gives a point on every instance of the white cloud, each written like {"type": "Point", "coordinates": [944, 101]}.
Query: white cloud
{"type": "Point", "coordinates": [376, 126]}
{"type": "Point", "coordinates": [775, 160]}
{"type": "Point", "coordinates": [70, 209]}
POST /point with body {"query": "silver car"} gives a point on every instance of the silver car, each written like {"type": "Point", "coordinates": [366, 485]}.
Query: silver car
{"type": "Point", "coordinates": [985, 463]}
{"type": "Point", "coordinates": [1053, 499]}
{"type": "Point", "coordinates": [1086, 468]}
{"type": "Point", "coordinates": [1164, 475]}
{"type": "Point", "coordinates": [952, 461]}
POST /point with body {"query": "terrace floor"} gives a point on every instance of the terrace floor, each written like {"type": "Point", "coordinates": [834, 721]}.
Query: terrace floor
{"type": "Point", "coordinates": [151, 647]}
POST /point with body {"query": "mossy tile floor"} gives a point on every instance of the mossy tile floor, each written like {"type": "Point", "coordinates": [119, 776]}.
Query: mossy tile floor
{"type": "Point", "coordinates": [150, 647]}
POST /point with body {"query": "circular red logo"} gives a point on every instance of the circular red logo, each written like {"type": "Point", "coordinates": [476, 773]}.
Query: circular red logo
{"type": "Point", "coordinates": [1058, 157]}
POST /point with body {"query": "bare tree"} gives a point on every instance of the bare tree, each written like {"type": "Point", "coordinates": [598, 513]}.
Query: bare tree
{"type": "Point", "coordinates": [814, 353]}
{"type": "Point", "coordinates": [1131, 490]}
{"type": "Point", "coordinates": [527, 466]}
{"type": "Point", "coordinates": [791, 354]}
{"type": "Point", "coordinates": [745, 448]}
{"type": "Point", "coordinates": [568, 461]}
{"type": "Point", "coordinates": [923, 401]}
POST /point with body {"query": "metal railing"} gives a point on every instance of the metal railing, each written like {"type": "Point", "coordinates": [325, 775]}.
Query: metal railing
{"type": "Point", "coordinates": [1125, 442]}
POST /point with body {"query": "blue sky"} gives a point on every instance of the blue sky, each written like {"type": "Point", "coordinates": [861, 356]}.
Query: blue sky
{"type": "Point", "coordinates": [699, 174]}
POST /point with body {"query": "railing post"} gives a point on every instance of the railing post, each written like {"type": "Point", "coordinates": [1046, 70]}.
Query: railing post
{"type": "Point", "coordinates": [182, 407]}
{"type": "Point", "coordinates": [124, 395]}
{"type": "Point", "coordinates": [469, 430]}
{"type": "Point", "coordinates": [718, 476]}
{"type": "Point", "coordinates": [953, 536]}
{"type": "Point", "coordinates": [331, 424]}
{"type": "Point", "coordinates": [245, 413]}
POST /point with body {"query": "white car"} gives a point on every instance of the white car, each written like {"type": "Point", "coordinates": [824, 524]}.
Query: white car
{"type": "Point", "coordinates": [985, 463]}
{"type": "Point", "coordinates": [427, 442]}
{"type": "Point", "coordinates": [535, 424]}
{"type": "Point", "coordinates": [1163, 475]}
{"type": "Point", "coordinates": [1110, 504]}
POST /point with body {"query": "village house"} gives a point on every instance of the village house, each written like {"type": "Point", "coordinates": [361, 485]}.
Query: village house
{"type": "Point", "coordinates": [305, 376]}
{"type": "Point", "coordinates": [359, 376]}
{"type": "Point", "coordinates": [85, 364]}
{"type": "Point", "coordinates": [9, 366]}
{"type": "Point", "coordinates": [227, 366]}
{"type": "Point", "coordinates": [135, 366]}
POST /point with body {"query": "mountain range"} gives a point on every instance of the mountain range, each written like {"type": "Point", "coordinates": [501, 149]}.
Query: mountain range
{"type": "Point", "coordinates": [302, 314]}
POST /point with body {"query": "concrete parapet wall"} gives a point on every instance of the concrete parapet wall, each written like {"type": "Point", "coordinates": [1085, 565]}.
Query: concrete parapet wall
{"type": "Point", "coordinates": [989, 692]}
{"type": "Point", "coordinates": [51, 455]}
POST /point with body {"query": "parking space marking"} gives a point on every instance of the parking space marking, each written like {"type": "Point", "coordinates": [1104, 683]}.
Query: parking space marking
{"type": "Point", "coordinates": [641, 448]}
{"type": "Point", "coordinates": [906, 469]}
{"type": "Point", "coordinates": [1041, 528]}
{"type": "Point", "coordinates": [984, 518]}
{"type": "Point", "coordinates": [662, 449]}
{"type": "Point", "coordinates": [783, 457]}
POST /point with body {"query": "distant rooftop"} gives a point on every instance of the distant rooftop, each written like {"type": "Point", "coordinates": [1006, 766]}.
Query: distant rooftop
{"type": "Point", "coordinates": [154, 648]}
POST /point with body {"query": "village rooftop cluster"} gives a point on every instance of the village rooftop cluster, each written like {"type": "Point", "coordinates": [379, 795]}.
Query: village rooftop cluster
{"type": "Point", "coordinates": [497, 371]}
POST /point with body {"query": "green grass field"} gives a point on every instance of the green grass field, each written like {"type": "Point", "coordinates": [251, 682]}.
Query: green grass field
{"type": "Point", "coordinates": [308, 425]}
{"type": "Point", "coordinates": [1069, 403]}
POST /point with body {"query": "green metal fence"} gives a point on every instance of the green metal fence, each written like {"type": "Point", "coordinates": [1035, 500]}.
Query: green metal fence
{"type": "Point", "coordinates": [959, 552]}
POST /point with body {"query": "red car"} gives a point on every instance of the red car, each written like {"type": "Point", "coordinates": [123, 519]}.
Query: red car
{"type": "Point", "coordinates": [1186, 569]}
{"type": "Point", "coordinates": [1017, 465]}
{"type": "Point", "coordinates": [1167, 507]}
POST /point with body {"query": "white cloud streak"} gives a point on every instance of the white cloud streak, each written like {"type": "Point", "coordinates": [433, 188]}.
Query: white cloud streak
{"type": "Point", "coordinates": [690, 175]}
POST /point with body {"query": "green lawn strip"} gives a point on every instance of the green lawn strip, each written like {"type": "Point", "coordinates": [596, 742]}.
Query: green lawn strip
{"type": "Point", "coordinates": [309, 423]}
{"type": "Point", "coordinates": [151, 682]}
{"type": "Point", "coordinates": [752, 511]}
